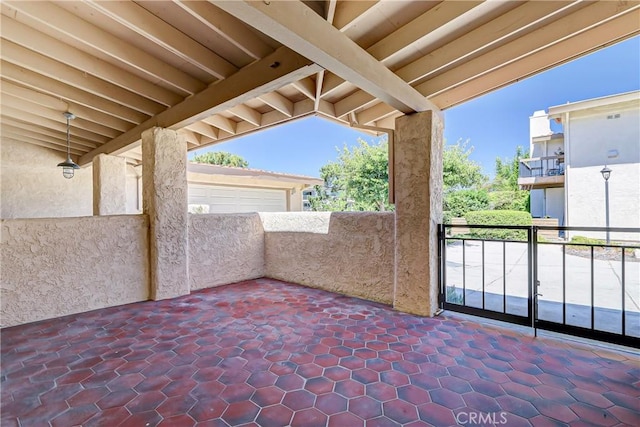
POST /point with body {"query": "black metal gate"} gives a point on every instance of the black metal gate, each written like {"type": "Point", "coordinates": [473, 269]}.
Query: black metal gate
{"type": "Point", "coordinates": [548, 284]}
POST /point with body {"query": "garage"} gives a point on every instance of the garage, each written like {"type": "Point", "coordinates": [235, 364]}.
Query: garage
{"type": "Point", "coordinates": [221, 199]}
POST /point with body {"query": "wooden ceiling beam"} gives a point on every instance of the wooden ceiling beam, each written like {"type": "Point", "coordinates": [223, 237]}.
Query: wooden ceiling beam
{"type": "Point", "coordinates": [278, 69]}
{"type": "Point", "coordinates": [62, 142]}
{"type": "Point", "coordinates": [244, 112]}
{"type": "Point", "coordinates": [53, 87]}
{"type": "Point", "coordinates": [204, 129]}
{"type": "Point", "coordinates": [65, 22]}
{"type": "Point", "coordinates": [301, 109]}
{"type": "Point", "coordinates": [155, 29]}
{"type": "Point", "coordinates": [48, 113]}
{"type": "Point", "coordinates": [530, 44]}
{"type": "Point", "coordinates": [588, 41]}
{"type": "Point", "coordinates": [279, 102]}
{"type": "Point", "coordinates": [43, 44]}
{"type": "Point", "coordinates": [490, 35]}
{"type": "Point", "coordinates": [59, 105]}
{"type": "Point", "coordinates": [47, 132]}
{"type": "Point", "coordinates": [221, 123]}
{"type": "Point", "coordinates": [401, 39]}
{"type": "Point", "coordinates": [45, 66]}
{"type": "Point", "coordinates": [28, 117]}
{"type": "Point", "coordinates": [298, 27]}
{"type": "Point", "coordinates": [439, 16]}
{"type": "Point", "coordinates": [348, 13]}
{"type": "Point", "coordinates": [228, 27]}
{"type": "Point", "coordinates": [46, 144]}
{"type": "Point", "coordinates": [307, 87]}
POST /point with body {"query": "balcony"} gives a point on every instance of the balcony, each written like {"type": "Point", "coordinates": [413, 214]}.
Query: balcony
{"type": "Point", "coordinates": [541, 172]}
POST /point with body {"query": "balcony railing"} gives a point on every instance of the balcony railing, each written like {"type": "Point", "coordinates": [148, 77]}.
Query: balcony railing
{"type": "Point", "coordinates": [541, 172]}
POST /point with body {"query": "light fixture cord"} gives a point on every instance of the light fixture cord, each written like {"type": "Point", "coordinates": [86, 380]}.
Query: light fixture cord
{"type": "Point", "coordinates": [68, 143]}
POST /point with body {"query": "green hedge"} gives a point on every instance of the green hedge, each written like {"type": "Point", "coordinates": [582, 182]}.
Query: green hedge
{"type": "Point", "coordinates": [498, 218]}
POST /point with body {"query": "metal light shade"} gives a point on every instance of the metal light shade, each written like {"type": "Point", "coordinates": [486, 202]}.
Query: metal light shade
{"type": "Point", "coordinates": [606, 173]}
{"type": "Point", "coordinates": [68, 166]}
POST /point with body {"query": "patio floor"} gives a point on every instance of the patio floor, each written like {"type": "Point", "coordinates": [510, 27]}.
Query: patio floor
{"type": "Point", "coordinates": [269, 353]}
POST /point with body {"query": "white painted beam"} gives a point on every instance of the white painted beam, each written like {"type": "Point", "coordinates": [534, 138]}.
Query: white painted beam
{"type": "Point", "coordinates": [268, 74]}
{"type": "Point", "coordinates": [228, 27]}
{"type": "Point", "coordinates": [38, 42]}
{"type": "Point", "coordinates": [244, 112]}
{"type": "Point", "coordinates": [279, 102]}
{"type": "Point", "coordinates": [298, 27]}
{"type": "Point", "coordinates": [155, 29]}
{"type": "Point", "coordinates": [53, 87]}
{"type": "Point", "coordinates": [70, 25]}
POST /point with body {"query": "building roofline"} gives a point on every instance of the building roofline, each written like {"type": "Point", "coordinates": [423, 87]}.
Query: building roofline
{"type": "Point", "coordinates": [252, 173]}
{"type": "Point", "coordinates": [556, 110]}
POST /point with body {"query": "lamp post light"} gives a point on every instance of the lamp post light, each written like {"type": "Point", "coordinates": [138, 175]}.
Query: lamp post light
{"type": "Point", "coordinates": [606, 173]}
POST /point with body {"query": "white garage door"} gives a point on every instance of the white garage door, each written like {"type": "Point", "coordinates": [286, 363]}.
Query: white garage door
{"type": "Point", "coordinates": [219, 199]}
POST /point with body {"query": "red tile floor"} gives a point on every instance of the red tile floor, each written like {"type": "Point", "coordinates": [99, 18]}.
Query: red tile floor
{"type": "Point", "coordinates": [268, 353]}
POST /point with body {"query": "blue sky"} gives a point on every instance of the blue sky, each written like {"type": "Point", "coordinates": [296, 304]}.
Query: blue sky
{"type": "Point", "coordinates": [495, 124]}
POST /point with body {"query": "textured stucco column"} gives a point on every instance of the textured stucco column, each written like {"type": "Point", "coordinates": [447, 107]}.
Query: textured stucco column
{"type": "Point", "coordinates": [109, 185]}
{"type": "Point", "coordinates": [164, 189]}
{"type": "Point", "coordinates": [418, 199]}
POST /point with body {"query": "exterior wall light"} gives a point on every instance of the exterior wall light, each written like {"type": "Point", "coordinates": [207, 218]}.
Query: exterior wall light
{"type": "Point", "coordinates": [68, 166]}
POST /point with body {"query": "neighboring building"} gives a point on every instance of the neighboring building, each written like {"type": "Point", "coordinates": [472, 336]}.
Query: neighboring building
{"type": "Point", "coordinates": [563, 172]}
{"type": "Point", "coordinates": [225, 189]}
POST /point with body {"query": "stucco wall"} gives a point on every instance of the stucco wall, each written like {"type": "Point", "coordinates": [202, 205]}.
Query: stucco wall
{"type": "Point", "coordinates": [33, 187]}
{"type": "Point", "coordinates": [593, 137]}
{"type": "Point", "coordinates": [224, 248]}
{"type": "Point", "coordinates": [347, 252]}
{"type": "Point", "coordinates": [103, 262]}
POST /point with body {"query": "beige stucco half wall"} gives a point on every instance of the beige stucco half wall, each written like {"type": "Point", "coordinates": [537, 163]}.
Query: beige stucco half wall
{"type": "Point", "coordinates": [224, 249]}
{"type": "Point", "coordinates": [351, 253]}
{"type": "Point", "coordinates": [53, 267]}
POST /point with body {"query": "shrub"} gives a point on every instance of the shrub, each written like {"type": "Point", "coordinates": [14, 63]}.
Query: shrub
{"type": "Point", "coordinates": [459, 202]}
{"type": "Point", "coordinates": [509, 200]}
{"type": "Point", "coordinates": [498, 218]}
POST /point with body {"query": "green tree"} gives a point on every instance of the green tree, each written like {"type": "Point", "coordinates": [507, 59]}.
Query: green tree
{"type": "Point", "coordinates": [506, 194]}
{"type": "Point", "coordinates": [460, 172]}
{"type": "Point", "coordinates": [358, 180]}
{"type": "Point", "coordinates": [507, 171]}
{"type": "Point", "coordinates": [221, 158]}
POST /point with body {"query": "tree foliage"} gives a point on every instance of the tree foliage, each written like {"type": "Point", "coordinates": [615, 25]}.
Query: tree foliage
{"type": "Point", "coordinates": [459, 172]}
{"type": "Point", "coordinates": [507, 171]}
{"type": "Point", "coordinates": [357, 181]}
{"type": "Point", "coordinates": [457, 203]}
{"type": "Point", "coordinates": [221, 158]}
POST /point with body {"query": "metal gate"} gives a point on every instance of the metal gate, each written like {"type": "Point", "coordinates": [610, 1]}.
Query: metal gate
{"type": "Point", "coordinates": [584, 288]}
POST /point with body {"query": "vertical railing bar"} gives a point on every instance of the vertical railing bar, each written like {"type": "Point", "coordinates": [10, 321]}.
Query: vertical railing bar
{"type": "Point", "coordinates": [464, 269]}
{"type": "Point", "coordinates": [444, 264]}
{"type": "Point", "coordinates": [564, 284]}
{"type": "Point", "coordinates": [592, 292]}
{"type": "Point", "coordinates": [504, 277]}
{"type": "Point", "coordinates": [624, 326]}
{"type": "Point", "coordinates": [440, 245]}
{"type": "Point", "coordinates": [483, 275]}
{"type": "Point", "coordinates": [533, 290]}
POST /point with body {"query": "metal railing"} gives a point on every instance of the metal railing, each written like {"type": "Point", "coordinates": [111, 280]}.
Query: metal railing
{"type": "Point", "coordinates": [541, 166]}
{"type": "Point", "coordinates": [590, 290]}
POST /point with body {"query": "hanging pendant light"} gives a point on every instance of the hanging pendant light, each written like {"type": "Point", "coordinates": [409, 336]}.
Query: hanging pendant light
{"type": "Point", "coordinates": [68, 166]}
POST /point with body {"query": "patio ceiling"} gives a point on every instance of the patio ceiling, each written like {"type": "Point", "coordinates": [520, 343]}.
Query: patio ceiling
{"type": "Point", "coordinates": [216, 70]}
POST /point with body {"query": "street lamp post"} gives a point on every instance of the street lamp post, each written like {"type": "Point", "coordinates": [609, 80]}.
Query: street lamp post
{"type": "Point", "coordinates": [606, 173]}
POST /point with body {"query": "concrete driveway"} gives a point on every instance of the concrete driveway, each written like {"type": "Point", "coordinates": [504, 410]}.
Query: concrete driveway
{"type": "Point", "coordinates": [506, 281]}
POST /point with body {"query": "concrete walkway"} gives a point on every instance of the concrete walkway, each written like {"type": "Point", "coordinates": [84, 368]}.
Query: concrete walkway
{"type": "Point", "coordinates": [509, 261]}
